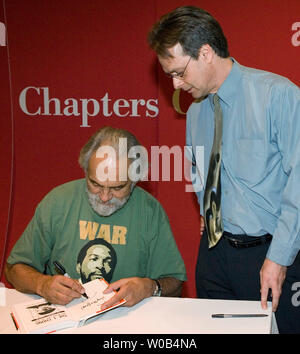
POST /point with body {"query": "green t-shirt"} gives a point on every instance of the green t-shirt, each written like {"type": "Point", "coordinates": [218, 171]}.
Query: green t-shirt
{"type": "Point", "coordinates": [134, 241]}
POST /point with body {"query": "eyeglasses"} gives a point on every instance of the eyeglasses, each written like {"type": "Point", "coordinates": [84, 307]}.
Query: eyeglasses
{"type": "Point", "coordinates": [175, 75]}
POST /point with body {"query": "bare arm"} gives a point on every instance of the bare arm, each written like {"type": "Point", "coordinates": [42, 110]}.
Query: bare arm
{"type": "Point", "coordinates": [136, 289]}
{"type": "Point", "coordinates": [170, 286]}
{"type": "Point", "coordinates": [56, 289]}
{"type": "Point", "coordinates": [23, 277]}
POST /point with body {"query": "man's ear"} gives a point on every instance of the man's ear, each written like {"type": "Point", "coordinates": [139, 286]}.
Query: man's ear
{"type": "Point", "coordinates": [206, 53]}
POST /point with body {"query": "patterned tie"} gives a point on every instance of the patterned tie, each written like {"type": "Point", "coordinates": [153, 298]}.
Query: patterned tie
{"type": "Point", "coordinates": [212, 194]}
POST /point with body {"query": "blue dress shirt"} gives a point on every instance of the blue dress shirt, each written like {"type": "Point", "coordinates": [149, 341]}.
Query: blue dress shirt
{"type": "Point", "coordinates": [260, 169]}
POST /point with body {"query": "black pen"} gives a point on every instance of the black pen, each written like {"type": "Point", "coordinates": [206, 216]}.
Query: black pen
{"type": "Point", "coordinates": [63, 272]}
{"type": "Point", "coordinates": [238, 315]}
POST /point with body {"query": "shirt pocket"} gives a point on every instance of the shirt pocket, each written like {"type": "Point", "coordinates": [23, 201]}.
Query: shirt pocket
{"type": "Point", "coordinates": [248, 161]}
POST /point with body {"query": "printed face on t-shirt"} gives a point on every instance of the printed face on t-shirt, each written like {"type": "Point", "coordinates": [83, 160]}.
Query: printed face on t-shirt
{"type": "Point", "coordinates": [96, 263]}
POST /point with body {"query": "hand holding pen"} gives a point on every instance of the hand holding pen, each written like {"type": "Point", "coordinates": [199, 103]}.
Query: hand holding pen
{"type": "Point", "coordinates": [59, 289]}
{"type": "Point", "coordinates": [63, 272]}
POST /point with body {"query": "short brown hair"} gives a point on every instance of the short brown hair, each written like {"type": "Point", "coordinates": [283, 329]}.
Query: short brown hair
{"type": "Point", "coordinates": [190, 26]}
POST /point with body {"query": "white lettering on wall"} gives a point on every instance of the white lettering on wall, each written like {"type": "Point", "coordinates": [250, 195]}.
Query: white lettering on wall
{"type": "Point", "coordinates": [2, 34]}
{"type": "Point", "coordinates": [37, 101]}
{"type": "Point", "coordinates": [296, 36]}
{"type": "Point", "coordinates": [23, 101]}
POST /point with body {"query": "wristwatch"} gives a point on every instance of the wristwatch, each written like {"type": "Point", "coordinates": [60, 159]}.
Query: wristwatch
{"type": "Point", "coordinates": [157, 291]}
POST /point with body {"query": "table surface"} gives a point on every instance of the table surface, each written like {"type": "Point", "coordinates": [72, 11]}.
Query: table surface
{"type": "Point", "coordinates": [161, 315]}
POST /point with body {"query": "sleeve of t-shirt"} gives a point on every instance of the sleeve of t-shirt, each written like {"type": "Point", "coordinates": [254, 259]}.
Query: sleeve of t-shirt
{"type": "Point", "coordinates": [164, 257]}
{"type": "Point", "coordinates": [34, 246]}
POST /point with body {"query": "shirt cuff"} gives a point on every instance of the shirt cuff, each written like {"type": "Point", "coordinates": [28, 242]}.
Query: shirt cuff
{"type": "Point", "coordinates": [281, 253]}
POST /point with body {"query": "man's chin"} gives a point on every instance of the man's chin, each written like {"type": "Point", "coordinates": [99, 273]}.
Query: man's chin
{"type": "Point", "coordinates": [197, 95]}
{"type": "Point", "coordinates": [105, 209]}
{"type": "Point", "coordinates": [105, 212]}
{"type": "Point", "coordinates": [199, 99]}
{"type": "Point", "coordinates": [95, 276]}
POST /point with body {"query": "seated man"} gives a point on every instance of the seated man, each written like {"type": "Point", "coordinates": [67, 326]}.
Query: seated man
{"type": "Point", "coordinates": [102, 226]}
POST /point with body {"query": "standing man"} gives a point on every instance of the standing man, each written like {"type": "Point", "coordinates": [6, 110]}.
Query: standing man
{"type": "Point", "coordinates": [102, 226]}
{"type": "Point", "coordinates": [248, 121]}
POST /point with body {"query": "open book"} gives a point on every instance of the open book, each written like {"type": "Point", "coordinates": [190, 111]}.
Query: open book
{"type": "Point", "coordinates": [40, 316]}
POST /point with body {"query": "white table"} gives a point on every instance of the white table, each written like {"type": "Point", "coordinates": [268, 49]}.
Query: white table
{"type": "Point", "coordinates": [163, 316]}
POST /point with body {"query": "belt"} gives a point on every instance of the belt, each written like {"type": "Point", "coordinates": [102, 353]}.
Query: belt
{"type": "Point", "coordinates": [245, 241]}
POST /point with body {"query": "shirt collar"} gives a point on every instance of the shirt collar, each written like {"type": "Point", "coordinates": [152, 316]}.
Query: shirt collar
{"type": "Point", "coordinates": [230, 86]}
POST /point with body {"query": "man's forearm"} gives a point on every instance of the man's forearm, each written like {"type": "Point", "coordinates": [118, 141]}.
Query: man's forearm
{"type": "Point", "coordinates": [57, 289]}
{"type": "Point", "coordinates": [170, 286]}
{"type": "Point", "coordinates": [24, 278]}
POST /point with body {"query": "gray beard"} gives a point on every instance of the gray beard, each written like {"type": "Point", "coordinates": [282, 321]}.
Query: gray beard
{"type": "Point", "coordinates": [107, 208]}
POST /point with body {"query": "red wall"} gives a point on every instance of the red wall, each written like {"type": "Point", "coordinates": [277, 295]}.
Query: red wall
{"type": "Point", "coordinates": [97, 50]}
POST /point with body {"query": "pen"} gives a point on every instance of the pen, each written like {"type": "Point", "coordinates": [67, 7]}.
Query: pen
{"type": "Point", "coordinates": [14, 321]}
{"type": "Point", "coordinates": [63, 272]}
{"type": "Point", "coordinates": [238, 315]}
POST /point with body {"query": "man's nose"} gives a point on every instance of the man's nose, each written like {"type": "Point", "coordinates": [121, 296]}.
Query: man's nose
{"type": "Point", "coordinates": [99, 265]}
{"type": "Point", "coordinates": [105, 195]}
{"type": "Point", "coordinates": [177, 83]}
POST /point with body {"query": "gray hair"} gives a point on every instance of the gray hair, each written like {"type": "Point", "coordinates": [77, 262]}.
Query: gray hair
{"type": "Point", "coordinates": [106, 136]}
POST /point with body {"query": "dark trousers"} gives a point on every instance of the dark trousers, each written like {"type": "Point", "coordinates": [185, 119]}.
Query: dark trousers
{"type": "Point", "coordinates": [225, 272]}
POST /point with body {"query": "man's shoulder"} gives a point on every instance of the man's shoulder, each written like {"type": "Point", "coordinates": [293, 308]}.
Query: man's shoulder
{"type": "Point", "coordinates": [147, 205]}
{"type": "Point", "coordinates": [66, 190]}
{"type": "Point", "coordinates": [265, 78]}
{"type": "Point", "coordinates": [145, 199]}
{"type": "Point", "coordinates": [141, 194]}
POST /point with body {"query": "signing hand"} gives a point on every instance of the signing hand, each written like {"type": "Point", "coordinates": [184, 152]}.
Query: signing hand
{"type": "Point", "coordinates": [272, 276]}
{"type": "Point", "coordinates": [60, 290]}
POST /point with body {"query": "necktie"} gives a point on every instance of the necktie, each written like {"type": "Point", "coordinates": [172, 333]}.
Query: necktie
{"type": "Point", "coordinates": [212, 194]}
